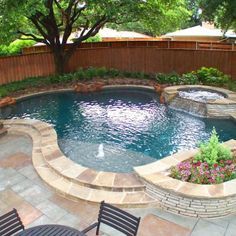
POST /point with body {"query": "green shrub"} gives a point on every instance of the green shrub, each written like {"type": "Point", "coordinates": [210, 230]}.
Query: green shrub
{"type": "Point", "coordinates": [212, 151]}
{"type": "Point", "coordinates": [172, 78]}
{"type": "Point", "coordinates": [15, 47]}
{"type": "Point", "coordinates": [94, 39]}
{"type": "Point", "coordinates": [162, 78]}
{"type": "Point", "coordinates": [189, 78]}
{"type": "Point", "coordinates": [3, 92]}
{"type": "Point", "coordinates": [212, 76]}
{"type": "Point", "coordinates": [114, 73]}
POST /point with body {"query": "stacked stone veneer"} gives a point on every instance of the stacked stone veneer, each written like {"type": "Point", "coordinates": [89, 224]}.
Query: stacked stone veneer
{"type": "Point", "coordinates": [193, 206]}
{"type": "Point", "coordinates": [219, 108]}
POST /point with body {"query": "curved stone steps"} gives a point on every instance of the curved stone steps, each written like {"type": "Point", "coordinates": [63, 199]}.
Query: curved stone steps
{"type": "Point", "coordinates": [45, 139]}
{"type": "Point", "coordinates": [75, 191]}
{"type": "Point", "coordinates": [95, 179]}
{"type": "Point", "coordinates": [128, 191]}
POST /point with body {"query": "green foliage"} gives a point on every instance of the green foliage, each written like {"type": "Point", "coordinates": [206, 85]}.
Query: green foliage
{"type": "Point", "coordinates": [91, 73]}
{"type": "Point", "coordinates": [221, 12]}
{"type": "Point", "coordinates": [211, 76]}
{"type": "Point", "coordinates": [158, 17]}
{"type": "Point", "coordinates": [93, 39]}
{"type": "Point", "coordinates": [15, 47]}
{"type": "Point", "coordinates": [172, 78]}
{"type": "Point", "coordinates": [212, 151]}
{"type": "Point", "coordinates": [189, 78]}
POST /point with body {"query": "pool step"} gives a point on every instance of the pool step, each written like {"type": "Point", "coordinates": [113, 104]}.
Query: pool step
{"type": "Point", "coordinates": [115, 182]}
{"type": "Point", "coordinates": [77, 192]}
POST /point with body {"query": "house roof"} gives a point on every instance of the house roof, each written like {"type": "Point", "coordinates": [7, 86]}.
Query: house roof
{"type": "Point", "coordinates": [111, 33]}
{"type": "Point", "coordinates": [200, 31]}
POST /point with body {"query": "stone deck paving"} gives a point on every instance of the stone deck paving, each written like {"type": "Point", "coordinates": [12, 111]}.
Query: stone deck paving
{"type": "Point", "coordinates": [20, 187]}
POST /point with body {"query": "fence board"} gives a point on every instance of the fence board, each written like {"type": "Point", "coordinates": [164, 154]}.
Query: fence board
{"type": "Point", "coordinates": [147, 58]}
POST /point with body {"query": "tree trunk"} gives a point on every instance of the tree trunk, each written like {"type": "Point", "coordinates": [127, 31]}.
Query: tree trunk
{"type": "Point", "coordinates": [59, 61]}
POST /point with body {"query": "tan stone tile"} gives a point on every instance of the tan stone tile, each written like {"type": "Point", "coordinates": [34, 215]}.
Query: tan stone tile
{"type": "Point", "coordinates": [170, 161]}
{"type": "Point", "coordinates": [53, 155]}
{"type": "Point", "coordinates": [111, 197]}
{"type": "Point", "coordinates": [10, 198]}
{"type": "Point", "coordinates": [88, 176]}
{"type": "Point", "coordinates": [133, 197]}
{"type": "Point", "coordinates": [152, 225]}
{"type": "Point", "coordinates": [79, 191]}
{"type": "Point", "coordinates": [73, 171]}
{"type": "Point", "coordinates": [216, 190]}
{"type": "Point", "coordinates": [196, 190]}
{"type": "Point", "coordinates": [38, 160]}
{"type": "Point", "coordinates": [230, 187]}
{"type": "Point", "coordinates": [154, 167]}
{"type": "Point", "coordinates": [126, 180]}
{"type": "Point", "coordinates": [28, 213]}
{"type": "Point", "coordinates": [61, 184]}
{"type": "Point", "coordinates": [86, 211]}
{"type": "Point", "coordinates": [105, 179]}
{"type": "Point", "coordinates": [61, 163]}
{"type": "Point", "coordinates": [17, 160]}
{"type": "Point", "coordinates": [157, 177]}
{"type": "Point", "coordinates": [170, 184]}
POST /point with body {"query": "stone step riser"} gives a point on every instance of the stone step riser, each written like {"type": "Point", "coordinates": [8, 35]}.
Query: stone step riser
{"type": "Point", "coordinates": [99, 187]}
{"type": "Point", "coordinates": [77, 197]}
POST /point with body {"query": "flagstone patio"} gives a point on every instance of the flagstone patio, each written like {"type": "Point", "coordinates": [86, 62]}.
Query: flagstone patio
{"type": "Point", "coordinates": [21, 188]}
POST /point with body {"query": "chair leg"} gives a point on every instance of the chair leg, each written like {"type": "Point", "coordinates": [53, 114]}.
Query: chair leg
{"type": "Point", "coordinates": [98, 228]}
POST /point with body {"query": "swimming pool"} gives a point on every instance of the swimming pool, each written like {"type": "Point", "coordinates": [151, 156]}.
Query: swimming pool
{"type": "Point", "coordinates": [118, 128]}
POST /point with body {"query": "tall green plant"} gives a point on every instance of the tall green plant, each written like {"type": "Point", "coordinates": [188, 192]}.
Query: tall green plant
{"type": "Point", "coordinates": [213, 151]}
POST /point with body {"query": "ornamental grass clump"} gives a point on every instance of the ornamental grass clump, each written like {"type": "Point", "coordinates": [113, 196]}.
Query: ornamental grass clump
{"type": "Point", "coordinates": [213, 164]}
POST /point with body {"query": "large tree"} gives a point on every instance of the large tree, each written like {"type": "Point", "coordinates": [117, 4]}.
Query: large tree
{"type": "Point", "coordinates": [167, 17]}
{"type": "Point", "coordinates": [221, 12]}
{"type": "Point", "coordinates": [52, 21]}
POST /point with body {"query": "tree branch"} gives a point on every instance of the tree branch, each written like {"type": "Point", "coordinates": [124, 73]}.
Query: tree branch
{"type": "Point", "coordinates": [32, 37]}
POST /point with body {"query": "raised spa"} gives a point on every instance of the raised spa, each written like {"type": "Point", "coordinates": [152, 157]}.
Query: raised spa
{"type": "Point", "coordinates": [200, 95]}
{"type": "Point", "coordinates": [119, 128]}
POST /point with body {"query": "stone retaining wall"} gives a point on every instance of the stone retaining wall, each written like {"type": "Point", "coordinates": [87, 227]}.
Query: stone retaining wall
{"type": "Point", "coordinates": [193, 207]}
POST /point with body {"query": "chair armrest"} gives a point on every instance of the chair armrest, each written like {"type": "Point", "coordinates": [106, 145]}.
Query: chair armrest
{"type": "Point", "coordinates": [90, 228]}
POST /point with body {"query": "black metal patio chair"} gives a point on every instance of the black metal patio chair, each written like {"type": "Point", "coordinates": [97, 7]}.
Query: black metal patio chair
{"type": "Point", "coordinates": [117, 219]}
{"type": "Point", "coordinates": [10, 223]}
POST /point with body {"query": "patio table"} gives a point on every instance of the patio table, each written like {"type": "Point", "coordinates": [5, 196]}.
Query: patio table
{"type": "Point", "coordinates": [51, 230]}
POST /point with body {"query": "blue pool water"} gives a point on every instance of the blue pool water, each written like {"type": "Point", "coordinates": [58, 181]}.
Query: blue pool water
{"type": "Point", "coordinates": [117, 129]}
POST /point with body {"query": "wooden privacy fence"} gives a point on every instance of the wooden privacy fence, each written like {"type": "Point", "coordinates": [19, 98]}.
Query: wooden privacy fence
{"type": "Point", "coordinates": [146, 43]}
{"type": "Point", "coordinates": [149, 59]}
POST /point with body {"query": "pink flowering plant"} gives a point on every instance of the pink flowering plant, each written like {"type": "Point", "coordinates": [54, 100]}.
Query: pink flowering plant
{"type": "Point", "coordinates": [213, 164]}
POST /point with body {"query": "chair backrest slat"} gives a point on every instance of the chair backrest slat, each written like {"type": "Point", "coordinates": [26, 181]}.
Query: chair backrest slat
{"type": "Point", "coordinates": [118, 219]}
{"type": "Point", "coordinates": [122, 221]}
{"type": "Point", "coordinates": [120, 214]}
{"type": "Point", "coordinates": [108, 206]}
{"type": "Point", "coordinates": [10, 223]}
